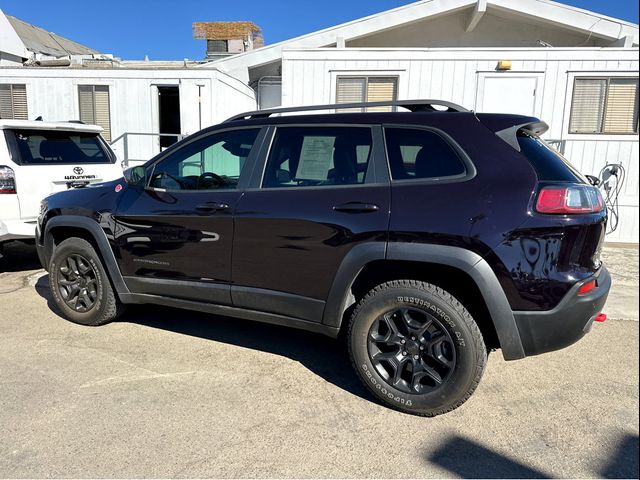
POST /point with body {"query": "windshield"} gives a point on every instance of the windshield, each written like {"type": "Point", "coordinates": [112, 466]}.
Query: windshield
{"type": "Point", "coordinates": [549, 164]}
{"type": "Point", "coordinates": [53, 147]}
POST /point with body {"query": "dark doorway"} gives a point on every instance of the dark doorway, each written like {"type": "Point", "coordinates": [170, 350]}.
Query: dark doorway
{"type": "Point", "coordinates": [169, 113]}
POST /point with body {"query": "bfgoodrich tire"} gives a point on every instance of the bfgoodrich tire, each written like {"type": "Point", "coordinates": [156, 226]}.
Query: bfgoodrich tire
{"type": "Point", "coordinates": [80, 286]}
{"type": "Point", "coordinates": [416, 348]}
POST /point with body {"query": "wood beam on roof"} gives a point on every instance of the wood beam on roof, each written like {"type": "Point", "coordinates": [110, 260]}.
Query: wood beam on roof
{"type": "Point", "coordinates": [477, 13]}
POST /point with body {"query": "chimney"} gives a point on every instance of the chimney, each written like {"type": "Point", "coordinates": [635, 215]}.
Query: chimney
{"type": "Point", "coordinates": [228, 38]}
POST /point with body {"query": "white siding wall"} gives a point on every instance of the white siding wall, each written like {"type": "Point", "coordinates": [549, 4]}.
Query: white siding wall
{"type": "Point", "coordinates": [53, 94]}
{"type": "Point", "coordinates": [309, 77]}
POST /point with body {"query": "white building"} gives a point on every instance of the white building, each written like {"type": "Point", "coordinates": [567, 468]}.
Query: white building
{"type": "Point", "coordinates": [45, 75]}
{"type": "Point", "coordinates": [575, 69]}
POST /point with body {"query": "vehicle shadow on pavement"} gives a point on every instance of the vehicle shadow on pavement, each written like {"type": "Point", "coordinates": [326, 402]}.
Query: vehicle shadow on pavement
{"type": "Point", "coordinates": [19, 257]}
{"type": "Point", "coordinates": [468, 459]}
{"type": "Point", "coordinates": [322, 355]}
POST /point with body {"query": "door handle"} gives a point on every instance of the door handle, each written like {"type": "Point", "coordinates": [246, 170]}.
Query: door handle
{"type": "Point", "coordinates": [212, 207]}
{"type": "Point", "coordinates": [356, 207]}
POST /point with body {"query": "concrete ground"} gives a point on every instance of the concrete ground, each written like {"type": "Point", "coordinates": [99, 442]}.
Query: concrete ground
{"type": "Point", "coordinates": [168, 393]}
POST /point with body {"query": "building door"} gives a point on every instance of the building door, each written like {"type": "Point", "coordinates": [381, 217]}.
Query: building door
{"type": "Point", "coordinates": [169, 114]}
{"type": "Point", "coordinates": [510, 93]}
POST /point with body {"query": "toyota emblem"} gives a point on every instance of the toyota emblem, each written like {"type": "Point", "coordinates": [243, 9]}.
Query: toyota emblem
{"type": "Point", "coordinates": [78, 170]}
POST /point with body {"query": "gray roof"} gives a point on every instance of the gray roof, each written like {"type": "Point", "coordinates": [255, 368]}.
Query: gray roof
{"type": "Point", "coordinates": [39, 40]}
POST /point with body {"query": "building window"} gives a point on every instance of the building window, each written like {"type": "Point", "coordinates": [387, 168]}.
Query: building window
{"type": "Point", "coordinates": [605, 106]}
{"type": "Point", "coordinates": [13, 102]}
{"type": "Point", "coordinates": [367, 89]}
{"type": "Point", "coordinates": [94, 107]}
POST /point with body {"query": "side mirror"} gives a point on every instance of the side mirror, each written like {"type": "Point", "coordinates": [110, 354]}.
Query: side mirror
{"type": "Point", "coordinates": [135, 175]}
{"type": "Point", "coordinates": [283, 176]}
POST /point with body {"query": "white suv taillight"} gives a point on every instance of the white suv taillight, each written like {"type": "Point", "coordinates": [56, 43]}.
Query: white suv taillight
{"type": "Point", "coordinates": [569, 200]}
{"type": "Point", "coordinates": [7, 180]}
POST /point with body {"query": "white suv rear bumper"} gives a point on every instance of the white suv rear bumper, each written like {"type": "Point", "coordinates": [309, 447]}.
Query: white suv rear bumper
{"type": "Point", "coordinates": [17, 230]}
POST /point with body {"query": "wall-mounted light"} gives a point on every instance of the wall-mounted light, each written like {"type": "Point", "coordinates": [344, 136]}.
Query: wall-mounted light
{"type": "Point", "coordinates": [503, 65]}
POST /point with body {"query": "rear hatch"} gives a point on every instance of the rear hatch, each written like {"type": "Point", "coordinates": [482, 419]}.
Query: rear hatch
{"type": "Point", "coordinates": [565, 206]}
{"type": "Point", "coordinates": [56, 158]}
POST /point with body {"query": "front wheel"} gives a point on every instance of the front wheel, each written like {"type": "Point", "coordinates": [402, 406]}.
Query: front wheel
{"type": "Point", "coordinates": [80, 286]}
{"type": "Point", "coordinates": [416, 348]}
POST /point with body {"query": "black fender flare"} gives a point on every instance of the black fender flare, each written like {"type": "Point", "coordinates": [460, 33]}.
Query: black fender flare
{"type": "Point", "coordinates": [460, 258]}
{"type": "Point", "coordinates": [96, 232]}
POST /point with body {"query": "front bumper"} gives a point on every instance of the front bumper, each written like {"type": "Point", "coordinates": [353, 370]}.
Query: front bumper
{"type": "Point", "coordinates": [568, 322]}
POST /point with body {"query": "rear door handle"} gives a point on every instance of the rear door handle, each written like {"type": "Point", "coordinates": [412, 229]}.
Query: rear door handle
{"type": "Point", "coordinates": [356, 207]}
{"type": "Point", "coordinates": [212, 207]}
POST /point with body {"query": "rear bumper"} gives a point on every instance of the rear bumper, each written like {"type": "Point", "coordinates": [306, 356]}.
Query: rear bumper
{"type": "Point", "coordinates": [572, 318]}
{"type": "Point", "coordinates": [17, 230]}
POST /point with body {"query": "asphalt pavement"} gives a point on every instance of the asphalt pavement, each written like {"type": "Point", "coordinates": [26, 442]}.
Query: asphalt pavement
{"type": "Point", "coordinates": [170, 393]}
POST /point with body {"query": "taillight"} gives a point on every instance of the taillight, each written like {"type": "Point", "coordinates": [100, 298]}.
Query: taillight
{"type": "Point", "coordinates": [7, 180]}
{"type": "Point", "coordinates": [573, 199]}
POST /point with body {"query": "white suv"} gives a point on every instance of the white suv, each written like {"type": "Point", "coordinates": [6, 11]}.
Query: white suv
{"type": "Point", "coordinates": [39, 158]}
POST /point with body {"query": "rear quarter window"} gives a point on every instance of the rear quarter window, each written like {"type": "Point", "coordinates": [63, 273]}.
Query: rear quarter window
{"type": "Point", "coordinates": [44, 147]}
{"type": "Point", "coordinates": [422, 154]}
{"type": "Point", "coordinates": [548, 163]}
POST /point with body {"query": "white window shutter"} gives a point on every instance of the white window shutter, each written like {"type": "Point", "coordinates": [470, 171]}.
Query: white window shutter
{"type": "Point", "coordinates": [103, 117]}
{"type": "Point", "coordinates": [94, 107]}
{"type": "Point", "coordinates": [382, 89]}
{"type": "Point", "coordinates": [622, 106]}
{"type": "Point", "coordinates": [19, 94]}
{"type": "Point", "coordinates": [351, 90]}
{"type": "Point", "coordinates": [588, 105]}
{"type": "Point", "coordinates": [85, 95]}
{"type": "Point", "coordinates": [13, 101]}
{"type": "Point", "coordinates": [6, 105]}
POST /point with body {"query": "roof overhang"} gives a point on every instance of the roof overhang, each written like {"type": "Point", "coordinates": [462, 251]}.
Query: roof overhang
{"type": "Point", "coordinates": [552, 13]}
{"type": "Point", "coordinates": [10, 41]}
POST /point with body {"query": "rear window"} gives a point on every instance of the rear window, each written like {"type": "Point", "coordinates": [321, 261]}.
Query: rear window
{"type": "Point", "coordinates": [49, 147]}
{"type": "Point", "coordinates": [549, 164]}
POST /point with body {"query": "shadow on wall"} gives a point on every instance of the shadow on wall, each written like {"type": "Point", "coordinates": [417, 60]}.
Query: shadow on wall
{"type": "Point", "coordinates": [322, 355]}
{"type": "Point", "coordinates": [468, 459]}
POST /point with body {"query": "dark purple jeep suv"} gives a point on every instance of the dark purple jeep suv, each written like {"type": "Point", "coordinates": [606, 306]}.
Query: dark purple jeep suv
{"type": "Point", "coordinates": [427, 236]}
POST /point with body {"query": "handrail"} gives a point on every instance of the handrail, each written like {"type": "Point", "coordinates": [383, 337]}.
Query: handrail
{"type": "Point", "coordinates": [125, 140]}
{"type": "Point", "coordinates": [411, 105]}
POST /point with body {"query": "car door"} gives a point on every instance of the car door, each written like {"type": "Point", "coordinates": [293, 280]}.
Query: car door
{"type": "Point", "coordinates": [175, 235]}
{"type": "Point", "coordinates": [323, 192]}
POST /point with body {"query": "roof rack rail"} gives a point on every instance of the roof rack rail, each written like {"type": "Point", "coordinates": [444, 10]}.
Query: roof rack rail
{"type": "Point", "coordinates": [411, 105]}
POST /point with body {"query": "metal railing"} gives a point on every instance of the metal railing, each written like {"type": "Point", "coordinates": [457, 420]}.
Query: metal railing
{"type": "Point", "coordinates": [125, 139]}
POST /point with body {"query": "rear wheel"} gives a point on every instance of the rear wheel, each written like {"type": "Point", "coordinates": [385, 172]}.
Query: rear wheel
{"type": "Point", "coordinates": [416, 348]}
{"type": "Point", "coordinates": [80, 286]}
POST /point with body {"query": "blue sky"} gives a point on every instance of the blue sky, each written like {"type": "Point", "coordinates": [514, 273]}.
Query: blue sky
{"type": "Point", "coordinates": [161, 29]}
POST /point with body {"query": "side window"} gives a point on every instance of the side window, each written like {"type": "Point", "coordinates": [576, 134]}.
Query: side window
{"type": "Point", "coordinates": [316, 156]}
{"type": "Point", "coordinates": [213, 162]}
{"type": "Point", "coordinates": [416, 153]}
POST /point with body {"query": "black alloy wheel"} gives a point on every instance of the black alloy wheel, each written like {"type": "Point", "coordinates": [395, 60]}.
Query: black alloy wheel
{"type": "Point", "coordinates": [411, 350]}
{"type": "Point", "coordinates": [77, 283]}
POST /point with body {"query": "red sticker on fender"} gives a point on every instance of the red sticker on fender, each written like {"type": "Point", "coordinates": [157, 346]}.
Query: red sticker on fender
{"type": "Point", "coordinates": [118, 188]}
